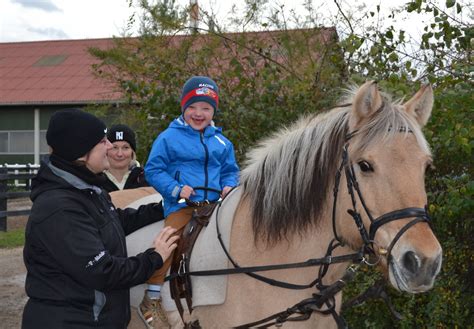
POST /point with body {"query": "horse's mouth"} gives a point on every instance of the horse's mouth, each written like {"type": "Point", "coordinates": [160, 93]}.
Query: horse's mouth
{"type": "Point", "coordinates": [401, 281]}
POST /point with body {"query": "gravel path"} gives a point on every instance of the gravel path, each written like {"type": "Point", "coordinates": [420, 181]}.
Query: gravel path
{"type": "Point", "coordinates": [12, 291]}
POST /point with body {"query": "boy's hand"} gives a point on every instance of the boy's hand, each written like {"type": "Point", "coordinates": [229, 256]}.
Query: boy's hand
{"type": "Point", "coordinates": [225, 190]}
{"type": "Point", "coordinates": [186, 192]}
{"type": "Point", "coordinates": [165, 242]}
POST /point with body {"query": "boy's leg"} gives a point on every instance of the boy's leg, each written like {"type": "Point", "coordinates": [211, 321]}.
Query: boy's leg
{"type": "Point", "coordinates": [150, 309]}
{"type": "Point", "coordinates": [177, 220]}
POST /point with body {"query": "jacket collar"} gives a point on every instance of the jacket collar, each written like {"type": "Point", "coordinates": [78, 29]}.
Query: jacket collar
{"type": "Point", "coordinates": [179, 123]}
{"type": "Point", "coordinates": [71, 179]}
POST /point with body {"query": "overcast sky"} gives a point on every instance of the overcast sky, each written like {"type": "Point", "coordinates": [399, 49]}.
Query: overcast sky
{"type": "Point", "coordinates": [33, 20]}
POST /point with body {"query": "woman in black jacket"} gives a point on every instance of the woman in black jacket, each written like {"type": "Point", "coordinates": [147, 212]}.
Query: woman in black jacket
{"type": "Point", "coordinates": [78, 272]}
{"type": "Point", "coordinates": [124, 171]}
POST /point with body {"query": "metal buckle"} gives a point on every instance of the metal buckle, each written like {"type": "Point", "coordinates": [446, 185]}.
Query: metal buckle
{"type": "Point", "coordinates": [182, 266]}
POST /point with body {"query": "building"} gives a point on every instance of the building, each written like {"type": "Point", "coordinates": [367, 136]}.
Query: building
{"type": "Point", "coordinates": [39, 78]}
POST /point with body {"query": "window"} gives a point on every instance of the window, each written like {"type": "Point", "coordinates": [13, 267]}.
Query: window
{"type": "Point", "coordinates": [21, 142]}
{"type": "Point", "coordinates": [53, 60]}
{"type": "Point", "coordinates": [3, 142]}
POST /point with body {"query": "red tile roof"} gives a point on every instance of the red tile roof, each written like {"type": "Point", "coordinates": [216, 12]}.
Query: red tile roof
{"type": "Point", "coordinates": [52, 72]}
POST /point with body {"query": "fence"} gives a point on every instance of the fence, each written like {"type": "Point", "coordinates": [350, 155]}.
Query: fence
{"type": "Point", "coordinates": [19, 178]}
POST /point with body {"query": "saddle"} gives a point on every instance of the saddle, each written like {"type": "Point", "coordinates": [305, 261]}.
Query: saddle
{"type": "Point", "coordinates": [180, 282]}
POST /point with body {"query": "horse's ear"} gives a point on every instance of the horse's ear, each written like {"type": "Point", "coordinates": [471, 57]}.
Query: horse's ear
{"type": "Point", "coordinates": [366, 102]}
{"type": "Point", "coordinates": [421, 104]}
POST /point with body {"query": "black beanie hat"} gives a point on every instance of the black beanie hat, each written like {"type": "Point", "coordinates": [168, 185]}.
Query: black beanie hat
{"type": "Point", "coordinates": [122, 133]}
{"type": "Point", "coordinates": [72, 133]}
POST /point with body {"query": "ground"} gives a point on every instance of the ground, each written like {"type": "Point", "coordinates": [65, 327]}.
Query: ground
{"type": "Point", "coordinates": [12, 292]}
{"type": "Point", "coordinates": [12, 278]}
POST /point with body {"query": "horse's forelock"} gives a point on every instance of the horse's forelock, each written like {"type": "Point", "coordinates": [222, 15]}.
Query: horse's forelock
{"type": "Point", "coordinates": [387, 123]}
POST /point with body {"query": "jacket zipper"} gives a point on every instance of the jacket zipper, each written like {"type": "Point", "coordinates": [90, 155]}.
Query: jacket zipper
{"type": "Point", "coordinates": [206, 161]}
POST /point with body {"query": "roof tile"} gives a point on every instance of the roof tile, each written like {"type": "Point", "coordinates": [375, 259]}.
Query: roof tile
{"type": "Point", "coordinates": [68, 81]}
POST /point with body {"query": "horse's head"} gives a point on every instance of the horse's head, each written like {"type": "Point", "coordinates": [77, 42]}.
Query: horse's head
{"type": "Point", "coordinates": [387, 156]}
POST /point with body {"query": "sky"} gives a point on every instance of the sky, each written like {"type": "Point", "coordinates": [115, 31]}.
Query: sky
{"type": "Point", "coordinates": [35, 20]}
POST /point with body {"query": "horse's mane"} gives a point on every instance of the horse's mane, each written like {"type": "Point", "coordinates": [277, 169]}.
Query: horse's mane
{"type": "Point", "coordinates": [287, 177]}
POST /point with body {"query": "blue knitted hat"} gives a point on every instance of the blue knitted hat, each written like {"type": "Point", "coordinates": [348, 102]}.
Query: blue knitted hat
{"type": "Point", "coordinates": [200, 89]}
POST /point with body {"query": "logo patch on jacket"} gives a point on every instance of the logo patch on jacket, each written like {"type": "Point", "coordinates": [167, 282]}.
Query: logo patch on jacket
{"type": "Point", "coordinates": [96, 259]}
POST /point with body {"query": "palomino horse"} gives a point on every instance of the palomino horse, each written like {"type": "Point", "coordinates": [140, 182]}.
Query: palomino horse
{"type": "Point", "coordinates": [346, 182]}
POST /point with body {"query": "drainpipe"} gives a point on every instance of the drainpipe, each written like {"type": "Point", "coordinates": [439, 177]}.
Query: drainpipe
{"type": "Point", "coordinates": [37, 137]}
{"type": "Point", "coordinates": [194, 15]}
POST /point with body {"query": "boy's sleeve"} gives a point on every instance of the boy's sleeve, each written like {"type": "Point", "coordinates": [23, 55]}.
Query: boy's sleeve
{"type": "Point", "coordinates": [156, 170]}
{"type": "Point", "coordinates": [230, 169]}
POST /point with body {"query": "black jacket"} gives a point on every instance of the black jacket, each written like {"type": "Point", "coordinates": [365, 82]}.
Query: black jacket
{"type": "Point", "coordinates": [136, 178]}
{"type": "Point", "coordinates": [78, 273]}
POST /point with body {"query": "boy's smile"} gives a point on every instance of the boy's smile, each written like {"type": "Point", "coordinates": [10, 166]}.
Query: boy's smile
{"type": "Point", "coordinates": [199, 115]}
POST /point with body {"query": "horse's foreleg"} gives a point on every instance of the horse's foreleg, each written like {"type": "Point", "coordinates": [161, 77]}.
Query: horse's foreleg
{"type": "Point", "coordinates": [174, 319]}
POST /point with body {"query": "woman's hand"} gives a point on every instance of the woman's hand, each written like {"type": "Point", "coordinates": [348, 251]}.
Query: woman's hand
{"type": "Point", "coordinates": [165, 242]}
{"type": "Point", "coordinates": [186, 192]}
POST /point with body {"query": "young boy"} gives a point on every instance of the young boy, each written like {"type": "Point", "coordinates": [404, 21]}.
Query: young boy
{"type": "Point", "coordinates": [191, 152]}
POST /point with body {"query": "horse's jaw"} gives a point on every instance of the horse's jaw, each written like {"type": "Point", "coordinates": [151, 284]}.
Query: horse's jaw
{"type": "Point", "coordinates": [403, 278]}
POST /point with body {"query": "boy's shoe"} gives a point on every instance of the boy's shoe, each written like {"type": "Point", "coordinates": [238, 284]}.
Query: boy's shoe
{"type": "Point", "coordinates": [152, 313]}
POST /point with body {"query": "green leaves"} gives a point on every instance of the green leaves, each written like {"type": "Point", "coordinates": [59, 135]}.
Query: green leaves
{"type": "Point", "coordinates": [450, 3]}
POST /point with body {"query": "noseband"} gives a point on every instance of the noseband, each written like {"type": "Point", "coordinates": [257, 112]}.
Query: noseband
{"type": "Point", "coordinates": [418, 214]}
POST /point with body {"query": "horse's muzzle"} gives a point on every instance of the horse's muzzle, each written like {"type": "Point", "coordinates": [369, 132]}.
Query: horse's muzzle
{"type": "Point", "coordinates": [414, 272]}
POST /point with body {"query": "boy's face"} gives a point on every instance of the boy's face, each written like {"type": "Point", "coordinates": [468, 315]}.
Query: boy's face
{"type": "Point", "coordinates": [199, 115]}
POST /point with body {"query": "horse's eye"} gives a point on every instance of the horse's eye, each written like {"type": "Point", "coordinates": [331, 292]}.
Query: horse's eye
{"type": "Point", "coordinates": [365, 166]}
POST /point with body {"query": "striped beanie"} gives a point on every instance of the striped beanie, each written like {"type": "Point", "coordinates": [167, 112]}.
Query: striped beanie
{"type": "Point", "coordinates": [200, 89]}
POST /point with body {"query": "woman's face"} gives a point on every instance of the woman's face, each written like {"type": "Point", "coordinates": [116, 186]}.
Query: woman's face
{"type": "Point", "coordinates": [120, 155]}
{"type": "Point", "coordinates": [96, 160]}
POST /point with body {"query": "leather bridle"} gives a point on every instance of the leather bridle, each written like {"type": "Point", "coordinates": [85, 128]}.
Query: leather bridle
{"type": "Point", "coordinates": [419, 214]}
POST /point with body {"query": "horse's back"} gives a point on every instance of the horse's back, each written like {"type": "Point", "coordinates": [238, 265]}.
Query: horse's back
{"type": "Point", "coordinates": [142, 239]}
{"type": "Point", "coordinates": [132, 198]}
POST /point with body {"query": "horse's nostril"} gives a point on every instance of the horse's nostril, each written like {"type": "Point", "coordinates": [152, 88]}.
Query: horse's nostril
{"type": "Point", "coordinates": [410, 262]}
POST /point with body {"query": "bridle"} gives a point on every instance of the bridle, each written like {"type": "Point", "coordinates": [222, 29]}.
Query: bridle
{"type": "Point", "coordinates": [325, 296]}
{"type": "Point", "coordinates": [419, 214]}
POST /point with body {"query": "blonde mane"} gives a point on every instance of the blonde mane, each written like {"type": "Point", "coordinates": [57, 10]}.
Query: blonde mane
{"type": "Point", "coordinates": [288, 177]}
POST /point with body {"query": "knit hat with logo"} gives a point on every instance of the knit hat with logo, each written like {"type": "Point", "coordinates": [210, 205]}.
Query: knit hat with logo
{"type": "Point", "coordinates": [72, 133]}
{"type": "Point", "coordinates": [124, 133]}
{"type": "Point", "coordinates": [200, 89]}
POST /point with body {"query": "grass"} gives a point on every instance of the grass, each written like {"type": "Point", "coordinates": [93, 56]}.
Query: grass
{"type": "Point", "coordinates": [12, 238]}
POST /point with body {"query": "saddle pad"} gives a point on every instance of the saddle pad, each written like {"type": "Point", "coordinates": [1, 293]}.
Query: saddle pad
{"type": "Point", "coordinates": [208, 254]}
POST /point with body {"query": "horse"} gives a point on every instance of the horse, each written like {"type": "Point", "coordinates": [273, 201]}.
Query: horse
{"type": "Point", "coordinates": [333, 190]}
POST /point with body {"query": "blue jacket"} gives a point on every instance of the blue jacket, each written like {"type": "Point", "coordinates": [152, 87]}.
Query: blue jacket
{"type": "Point", "coordinates": [183, 156]}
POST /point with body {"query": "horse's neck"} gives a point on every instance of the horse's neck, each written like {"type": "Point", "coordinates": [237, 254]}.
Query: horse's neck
{"type": "Point", "coordinates": [311, 244]}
